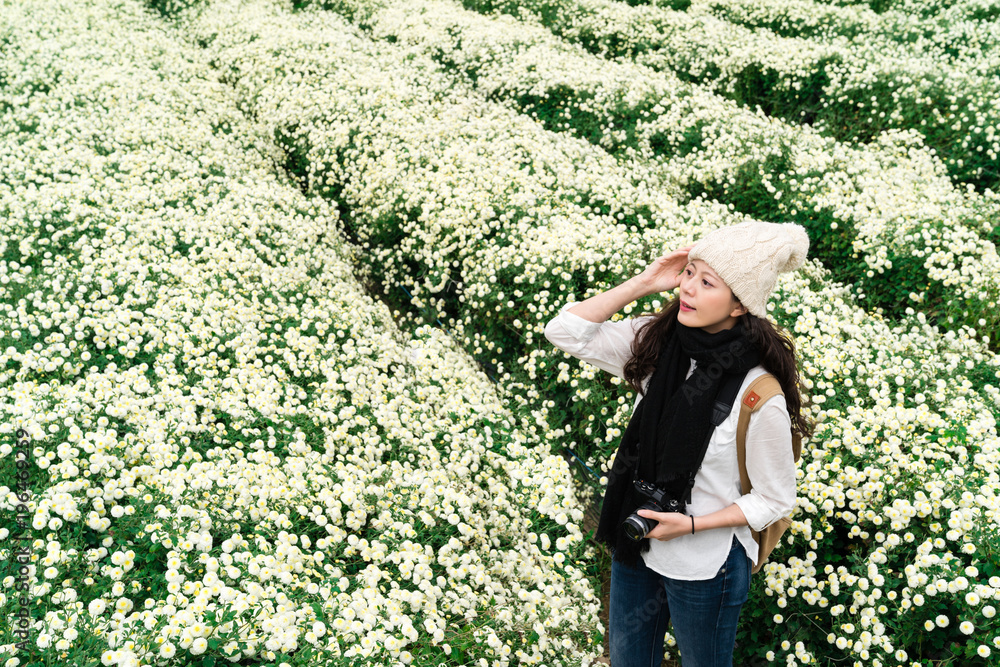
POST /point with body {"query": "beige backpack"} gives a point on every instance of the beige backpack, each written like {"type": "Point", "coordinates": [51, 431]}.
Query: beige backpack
{"type": "Point", "coordinates": [756, 395]}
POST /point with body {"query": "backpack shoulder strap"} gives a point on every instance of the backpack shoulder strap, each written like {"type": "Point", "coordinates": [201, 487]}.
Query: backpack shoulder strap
{"type": "Point", "coordinates": [759, 391]}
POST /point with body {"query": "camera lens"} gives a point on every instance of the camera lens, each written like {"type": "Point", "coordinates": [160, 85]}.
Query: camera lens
{"type": "Point", "coordinates": [635, 527]}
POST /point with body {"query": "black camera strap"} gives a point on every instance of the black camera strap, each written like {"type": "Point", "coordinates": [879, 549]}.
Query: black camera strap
{"type": "Point", "coordinates": [725, 400]}
{"type": "Point", "coordinates": [720, 411]}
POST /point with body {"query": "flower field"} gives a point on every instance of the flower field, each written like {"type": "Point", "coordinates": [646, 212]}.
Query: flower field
{"type": "Point", "coordinates": [274, 275]}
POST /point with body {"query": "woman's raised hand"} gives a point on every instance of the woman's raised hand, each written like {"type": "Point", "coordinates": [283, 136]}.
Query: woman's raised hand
{"type": "Point", "coordinates": [663, 274]}
{"type": "Point", "coordinates": [660, 276]}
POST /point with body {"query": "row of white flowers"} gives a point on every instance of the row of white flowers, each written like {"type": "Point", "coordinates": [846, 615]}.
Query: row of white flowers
{"type": "Point", "coordinates": [961, 32]}
{"type": "Point", "coordinates": [889, 202]}
{"type": "Point", "coordinates": [846, 88]}
{"type": "Point", "coordinates": [956, 10]}
{"type": "Point", "coordinates": [442, 187]}
{"type": "Point", "coordinates": [234, 450]}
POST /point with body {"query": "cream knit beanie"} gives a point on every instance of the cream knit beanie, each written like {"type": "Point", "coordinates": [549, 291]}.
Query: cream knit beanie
{"type": "Point", "coordinates": [749, 256]}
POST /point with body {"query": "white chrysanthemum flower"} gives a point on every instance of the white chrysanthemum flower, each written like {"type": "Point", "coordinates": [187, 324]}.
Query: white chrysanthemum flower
{"type": "Point", "coordinates": [198, 646]}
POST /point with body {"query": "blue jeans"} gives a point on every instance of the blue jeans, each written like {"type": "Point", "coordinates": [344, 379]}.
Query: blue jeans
{"type": "Point", "coordinates": [704, 613]}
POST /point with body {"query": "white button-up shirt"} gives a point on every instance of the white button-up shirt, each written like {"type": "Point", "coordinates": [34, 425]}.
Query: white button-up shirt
{"type": "Point", "coordinates": [769, 458]}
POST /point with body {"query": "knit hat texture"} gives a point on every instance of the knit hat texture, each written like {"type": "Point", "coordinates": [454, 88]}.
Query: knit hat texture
{"type": "Point", "coordinates": [749, 256]}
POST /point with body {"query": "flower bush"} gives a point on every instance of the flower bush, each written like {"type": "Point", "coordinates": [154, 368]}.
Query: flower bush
{"type": "Point", "coordinates": [235, 453]}
{"type": "Point", "coordinates": [850, 89]}
{"type": "Point", "coordinates": [375, 497]}
{"type": "Point", "coordinates": [961, 32]}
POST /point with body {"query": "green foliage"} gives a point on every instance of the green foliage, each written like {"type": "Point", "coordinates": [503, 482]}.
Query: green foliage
{"type": "Point", "coordinates": [170, 8]}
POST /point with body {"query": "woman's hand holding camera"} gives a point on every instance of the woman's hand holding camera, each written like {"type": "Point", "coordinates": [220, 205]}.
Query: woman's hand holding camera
{"type": "Point", "coordinates": [671, 524]}
{"type": "Point", "coordinates": [675, 524]}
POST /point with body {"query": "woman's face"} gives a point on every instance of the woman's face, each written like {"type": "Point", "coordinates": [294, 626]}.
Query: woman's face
{"type": "Point", "coordinates": [706, 301]}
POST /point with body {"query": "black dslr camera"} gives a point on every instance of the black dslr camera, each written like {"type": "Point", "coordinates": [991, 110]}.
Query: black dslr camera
{"type": "Point", "coordinates": [635, 526]}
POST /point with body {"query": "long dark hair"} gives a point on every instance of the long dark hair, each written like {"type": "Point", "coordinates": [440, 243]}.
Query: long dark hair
{"type": "Point", "coordinates": [776, 347]}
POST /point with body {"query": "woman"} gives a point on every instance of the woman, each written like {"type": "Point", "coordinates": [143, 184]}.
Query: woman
{"type": "Point", "coordinates": [692, 568]}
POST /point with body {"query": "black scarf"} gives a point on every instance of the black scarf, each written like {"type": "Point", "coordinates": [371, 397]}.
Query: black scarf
{"type": "Point", "coordinates": [664, 440]}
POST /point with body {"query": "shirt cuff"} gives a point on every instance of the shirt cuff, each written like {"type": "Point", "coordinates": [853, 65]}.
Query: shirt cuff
{"type": "Point", "coordinates": [759, 515]}
{"type": "Point", "coordinates": [582, 330]}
